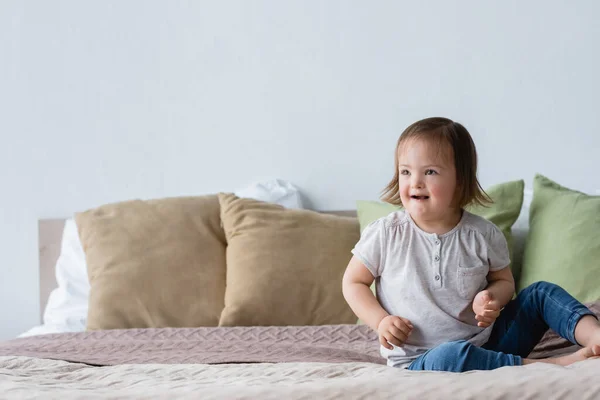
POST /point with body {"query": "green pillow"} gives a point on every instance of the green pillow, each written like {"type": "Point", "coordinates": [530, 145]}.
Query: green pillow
{"type": "Point", "coordinates": [507, 197]}
{"type": "Point", "coordinates": [562, 244]}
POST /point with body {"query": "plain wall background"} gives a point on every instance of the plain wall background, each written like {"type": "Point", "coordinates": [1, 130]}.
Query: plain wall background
{"type": "Point", "coordinates": [103, 101]}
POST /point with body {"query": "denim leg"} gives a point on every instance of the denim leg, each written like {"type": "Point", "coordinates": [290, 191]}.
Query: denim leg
{"type": "Point", "coordinates": [526, 318]}
{"type": "Point", "coordinates": [461, 356]}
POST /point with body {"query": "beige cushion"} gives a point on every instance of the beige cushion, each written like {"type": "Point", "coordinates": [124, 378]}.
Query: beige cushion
{"type": "Point", "coordinates": [157, 263]}
{"type": "Point", "coordinates": [285, 267]}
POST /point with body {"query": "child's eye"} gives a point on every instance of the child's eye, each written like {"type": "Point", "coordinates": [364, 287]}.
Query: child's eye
{"type": "Point", "coordinates": [430, 172]}
{"type": "Point", "coordinates": [404, 172]}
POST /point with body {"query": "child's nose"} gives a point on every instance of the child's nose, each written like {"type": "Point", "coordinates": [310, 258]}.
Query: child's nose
{"type": "Point", "coordinates": [417, 182]}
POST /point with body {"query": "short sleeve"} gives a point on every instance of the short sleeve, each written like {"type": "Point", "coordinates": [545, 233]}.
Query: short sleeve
{"type": "Point", "coordinates": [498, 255]}
{"type": "Point", "coordinates": [370, 248]}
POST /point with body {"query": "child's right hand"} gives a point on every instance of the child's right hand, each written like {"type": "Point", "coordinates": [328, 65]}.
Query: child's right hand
{"type": "Point", "coordinates": [395, 330]}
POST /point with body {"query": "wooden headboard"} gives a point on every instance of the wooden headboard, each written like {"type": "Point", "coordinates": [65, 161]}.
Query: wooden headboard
{"type": "Point", "coordinates": [50, 239]}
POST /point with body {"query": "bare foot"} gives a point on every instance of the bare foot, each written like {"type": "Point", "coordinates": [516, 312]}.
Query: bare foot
{"type": "Point", "coordinates": [595, 339]}
{"type": "Point", "coordinates": [580, 355]}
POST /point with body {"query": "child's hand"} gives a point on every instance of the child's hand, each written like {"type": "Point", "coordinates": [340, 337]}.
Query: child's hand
{"type": "Point", "coordinates": [486, 308]}
{"type": "Point", "coordinates": [395, 330]}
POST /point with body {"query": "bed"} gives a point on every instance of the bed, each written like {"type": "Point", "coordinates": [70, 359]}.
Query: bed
{"type": "Point", "coordinates": [248, 362]}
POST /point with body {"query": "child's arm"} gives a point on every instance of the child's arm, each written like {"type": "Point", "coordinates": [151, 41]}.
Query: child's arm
{"type": "Point", "coordinates": [357, 292]}
{"type": "Point", "coordinates": [392, 329]}
{"type": "Point", "coordinates": [501, 285]}
{"type": "Point", "coordinates": [489, 302]}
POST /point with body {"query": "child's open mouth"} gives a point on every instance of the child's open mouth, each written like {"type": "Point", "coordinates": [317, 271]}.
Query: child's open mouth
{"type": "Point", "coordinates": [419, 197]}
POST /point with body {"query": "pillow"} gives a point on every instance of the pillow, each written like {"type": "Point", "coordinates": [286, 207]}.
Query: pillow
{"type": "Point", "coordinates": [519, 232]}
{"type": "Point", "coordinates": [562, 244]}
{"type": "Point", "coordinates": [276, 191]}
{"type": "Point", "coordinates": [284, 267]}
{"type": "Point", "coordinates": [156, 263]}
{"type": "Point", "coordinates": [67, 307]}
{"type": "Point", "coordinates": [507, 197]}
{"type": "Point", "coordinates": [67, 304]}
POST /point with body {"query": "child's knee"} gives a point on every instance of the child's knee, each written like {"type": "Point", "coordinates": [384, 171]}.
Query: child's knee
{"type": "Point", "coordinates": [449, 356]}
{"type": "Point", "coordinates": [454, 349]}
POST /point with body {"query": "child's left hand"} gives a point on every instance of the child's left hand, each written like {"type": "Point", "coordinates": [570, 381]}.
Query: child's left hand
{"type": "Point", "coordinates": [486, 308]}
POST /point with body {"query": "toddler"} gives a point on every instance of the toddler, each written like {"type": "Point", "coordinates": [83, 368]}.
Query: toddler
{"type": "Point", "coordinates": [444, 289]}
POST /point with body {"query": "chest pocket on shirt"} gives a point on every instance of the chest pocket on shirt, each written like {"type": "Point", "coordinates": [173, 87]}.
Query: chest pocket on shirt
{"type": "Point", "coordinates": [471, 280]}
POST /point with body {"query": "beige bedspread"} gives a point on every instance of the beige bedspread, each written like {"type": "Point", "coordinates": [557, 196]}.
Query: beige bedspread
{"type": "Point", "coordinates": [22, 377]}
{"type": "Point", "coordinates": [263, 362]}
{"type": "Point", "coordinates": [276, 344]}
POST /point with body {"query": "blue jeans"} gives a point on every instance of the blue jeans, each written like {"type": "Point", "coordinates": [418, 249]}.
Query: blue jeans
{"type": "Point", "coordinates": [517, 330]}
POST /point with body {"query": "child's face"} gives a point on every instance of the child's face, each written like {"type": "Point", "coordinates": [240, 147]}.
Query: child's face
{"type": "Point", "coordinates": [427, 180]}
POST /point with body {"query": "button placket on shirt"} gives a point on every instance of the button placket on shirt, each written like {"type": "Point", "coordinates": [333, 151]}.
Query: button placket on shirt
{"type": "Point", "coordinates": [436, 262]}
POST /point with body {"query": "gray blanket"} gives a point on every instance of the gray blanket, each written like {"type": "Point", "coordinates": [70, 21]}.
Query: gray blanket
{"type": "Point", "coordinates": [298, 363]}
{"type": "Point", "coordinates": [333, 344]}
{"type": "Point", "coordinates": [327, 344]}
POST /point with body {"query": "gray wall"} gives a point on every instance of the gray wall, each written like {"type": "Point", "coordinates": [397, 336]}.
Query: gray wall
{"type": "Point", "coordinates": [108, 100]}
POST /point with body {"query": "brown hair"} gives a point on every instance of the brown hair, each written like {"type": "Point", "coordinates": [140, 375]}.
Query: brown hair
{"type": "Point", "coordinates": [445, 132]}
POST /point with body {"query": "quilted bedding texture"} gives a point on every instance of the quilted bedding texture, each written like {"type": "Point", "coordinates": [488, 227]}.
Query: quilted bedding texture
{"type": "Point", "coordinates": [23, 377]}
{"type": "Point", "coordinates": [263, 362]}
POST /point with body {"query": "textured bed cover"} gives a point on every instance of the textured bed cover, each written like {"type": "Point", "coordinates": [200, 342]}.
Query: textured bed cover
{"type": "Point", "coordinates": [263, 362]}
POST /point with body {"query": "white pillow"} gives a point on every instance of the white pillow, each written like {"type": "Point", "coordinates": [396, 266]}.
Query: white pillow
{"type": "Point", "coordinates": [273, 191]}
{"type": "Point", "coordinates": [67, 307]}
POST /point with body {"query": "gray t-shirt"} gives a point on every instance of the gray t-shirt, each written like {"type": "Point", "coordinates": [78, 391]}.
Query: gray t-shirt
{"type": "Point", "coordinates": [431, 279]}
